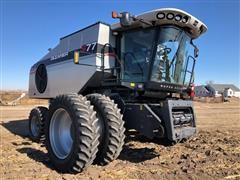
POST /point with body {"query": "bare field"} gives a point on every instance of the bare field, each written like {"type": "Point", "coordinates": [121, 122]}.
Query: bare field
{"type": "Point", "coordinates": [214, 153]}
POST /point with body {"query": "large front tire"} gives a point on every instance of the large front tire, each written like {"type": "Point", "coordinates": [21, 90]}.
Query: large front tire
{"type": "Point", "coordinates": [111, 128]}
{"type": "Point", "coordinates": [72, 137]}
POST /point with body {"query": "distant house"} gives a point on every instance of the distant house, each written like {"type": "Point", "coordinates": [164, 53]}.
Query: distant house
{"type": "Point", "coordinates": [228, 90]}
{"type": "Point", "coordinates": [216, 90]}
{"type": "Point", "coordinates": [202, 91]}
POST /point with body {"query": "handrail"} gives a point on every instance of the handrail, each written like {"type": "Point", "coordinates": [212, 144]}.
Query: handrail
{"type": "Point", "coordinates": [103, 60]}
{"type": "Point", "coordinates": [186, 70]}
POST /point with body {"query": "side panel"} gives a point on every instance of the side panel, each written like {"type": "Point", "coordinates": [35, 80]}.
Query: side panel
{"type": "Point", "coordinates": [75, 41]}
{"type": "Point", "coordinates": [172, 119]}
{"type": "Point", "coordinates": [105, 37]}
{"type": "Point", "coordinates": [179, 119]}
{"type": "Point", "coordinates": [138, 117]}
{"type": "Point", "coordinates": [64, 77]}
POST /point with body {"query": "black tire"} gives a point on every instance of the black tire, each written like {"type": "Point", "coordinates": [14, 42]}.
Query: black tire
{"type": "Point", "coordinates": [85, 133]}
{"type": "Point", "coordinates": [37, 119]}
{"type": "Point", "coordinates": [111, 127]}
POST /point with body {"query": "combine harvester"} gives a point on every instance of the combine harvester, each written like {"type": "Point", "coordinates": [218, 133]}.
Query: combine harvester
{"type": "Point", "coordinates": [136, 74]}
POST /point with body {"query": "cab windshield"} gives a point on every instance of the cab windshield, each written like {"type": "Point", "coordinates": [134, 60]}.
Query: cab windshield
{"type": "Point", "coordinates": [158, 54]}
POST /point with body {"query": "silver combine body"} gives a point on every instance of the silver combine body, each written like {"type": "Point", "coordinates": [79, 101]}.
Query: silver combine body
{"type": "Point", "coordinates": [63, 76]}
{"type": "Point", "coordinates": [59, 75]}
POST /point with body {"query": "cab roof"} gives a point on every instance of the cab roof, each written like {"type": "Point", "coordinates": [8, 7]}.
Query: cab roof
{"type": "Point", "coordinates": [167, 16]}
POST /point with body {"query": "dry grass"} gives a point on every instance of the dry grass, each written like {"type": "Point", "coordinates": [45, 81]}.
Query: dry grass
{"type": "Point", "coordinates": [214, 153]}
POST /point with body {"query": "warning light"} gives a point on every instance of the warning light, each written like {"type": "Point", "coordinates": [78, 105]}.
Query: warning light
{"type": "Point", "coordinates": [132, 84]}
{"type": "Point", "coordinates": [191, 91]}
{"type": "Point", "coordinates": [114, 14]}
{"type": "Point", "coordinates": [76, 57]}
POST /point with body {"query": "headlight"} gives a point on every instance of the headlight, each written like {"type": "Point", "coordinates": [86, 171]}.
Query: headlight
{"type": "Point", "coordinates": [160, 15]}
{"type": "Point", "coordinates": [185, 19]}
{"type": "Point", "coordinates": [170, 16]}
{"type": "Point", "coordinates": [178, 17]}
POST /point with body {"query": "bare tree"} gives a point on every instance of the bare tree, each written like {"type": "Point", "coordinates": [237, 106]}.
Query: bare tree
{"type": "Point", "coordinates": [209, 82]}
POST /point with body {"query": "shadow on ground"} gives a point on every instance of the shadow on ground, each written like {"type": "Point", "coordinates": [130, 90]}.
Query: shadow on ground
{"type": "Point", "coordinates": [137, 155]}
{"type": "Point", "coordinates": [135, 136]}
{"type": "Point", "coordinates": [17, 127]}
{"type": "Point", "coordinates": [129, 153]}
{"type": "Point", "coordinates": [37, 155]}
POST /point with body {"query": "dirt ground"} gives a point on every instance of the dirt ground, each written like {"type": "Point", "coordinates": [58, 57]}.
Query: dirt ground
{"type": "Point", "coordinates": [214, 153]}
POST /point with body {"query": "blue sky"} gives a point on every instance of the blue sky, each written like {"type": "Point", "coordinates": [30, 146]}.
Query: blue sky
{"type": "Point", "coordinates": [29, 28]}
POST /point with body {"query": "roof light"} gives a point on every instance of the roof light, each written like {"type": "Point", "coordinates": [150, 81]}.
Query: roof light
{"type": "Point", "coordinates": [170, 16]}
{"type": "Point", "coordinates": [160, 15]}
{"type": "Point", "coordinates": [178, 17]}
{"type": "Point", "coordinates": [185, 19]}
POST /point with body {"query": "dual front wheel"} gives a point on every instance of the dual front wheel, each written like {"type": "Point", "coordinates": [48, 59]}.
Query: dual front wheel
{"type": "Point", "coordinates": [37, 119]}
{"type": "Point", "coordinates": [82, 130]}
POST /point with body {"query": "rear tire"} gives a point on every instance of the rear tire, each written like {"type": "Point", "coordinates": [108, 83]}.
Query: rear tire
{"type": "Point", "coordinates": [111, 128]}
{"type": "Point", "coordinates": [72, 146]}
{"type": "Point", "coordinates": [37, 119]}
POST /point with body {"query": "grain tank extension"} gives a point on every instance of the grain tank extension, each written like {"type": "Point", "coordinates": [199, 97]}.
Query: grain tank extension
{"type": "Point", "coordinates": [105, 79]}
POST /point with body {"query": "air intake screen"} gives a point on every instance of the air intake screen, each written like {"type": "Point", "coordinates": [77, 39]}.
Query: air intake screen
{"type": "Point", "coordinates": [41, 78]}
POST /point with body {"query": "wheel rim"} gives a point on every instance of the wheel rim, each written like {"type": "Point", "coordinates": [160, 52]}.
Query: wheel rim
{"type": "Point", "coordinates": [60, 133]}
{"type": "Point", "coordinates": [35, 126]}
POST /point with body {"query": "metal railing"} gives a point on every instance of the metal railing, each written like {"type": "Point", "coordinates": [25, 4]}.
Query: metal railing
{"type": "Point", "coordinates": [116, 67]}
{"type": "Point", "coordinates": [189, 71]}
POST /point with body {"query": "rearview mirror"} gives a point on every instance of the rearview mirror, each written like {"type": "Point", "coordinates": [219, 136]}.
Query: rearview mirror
{"type": "Point", "coordinates": [125, 19]}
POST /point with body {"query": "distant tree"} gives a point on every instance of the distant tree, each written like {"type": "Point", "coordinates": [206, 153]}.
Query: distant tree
{"type": "Point", "coordinates": [209, 82]}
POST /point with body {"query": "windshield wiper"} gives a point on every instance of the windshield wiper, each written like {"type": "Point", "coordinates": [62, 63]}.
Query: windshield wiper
{"type": "Point", "coordinates": [175, 55]}
{"type": "Point", "coordinates": [168, 66]}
